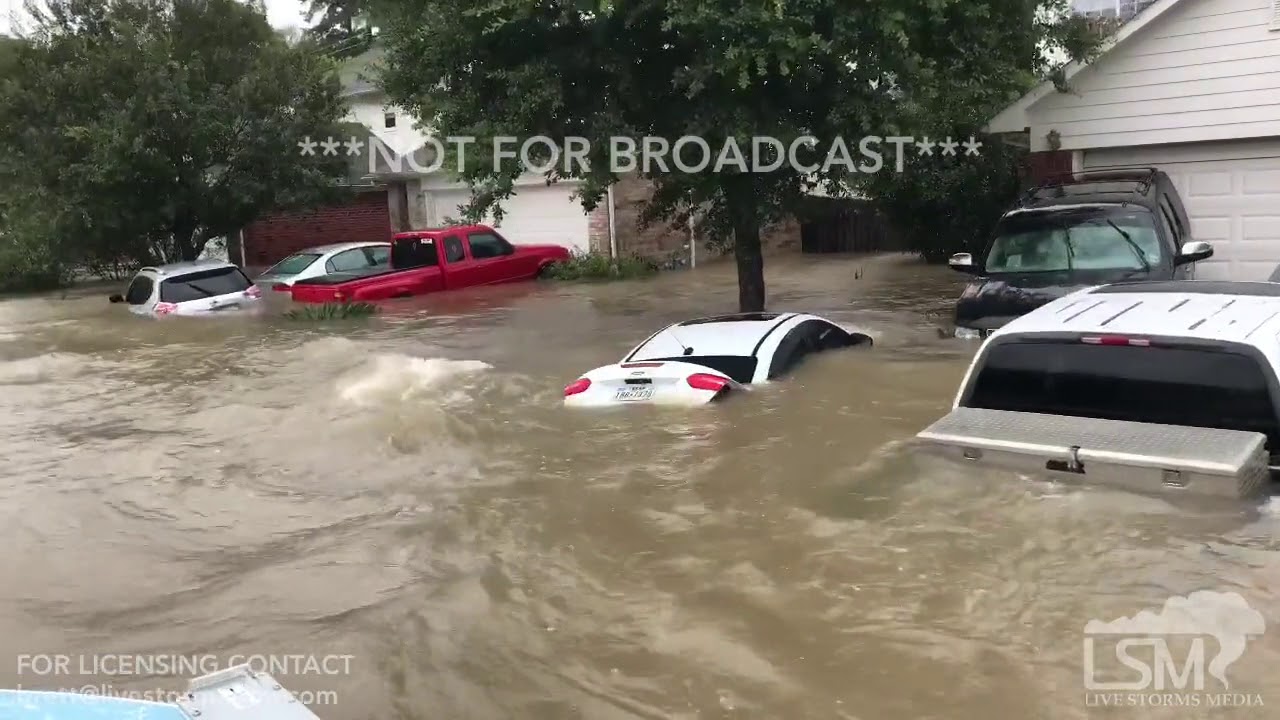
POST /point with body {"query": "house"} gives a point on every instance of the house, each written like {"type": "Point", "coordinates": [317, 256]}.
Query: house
{"type": "Point", "coordinates": [1191, 87]}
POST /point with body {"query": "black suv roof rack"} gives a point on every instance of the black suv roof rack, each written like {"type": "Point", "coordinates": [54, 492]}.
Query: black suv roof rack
{"type": "Point", "coordinates": [1122, 181]}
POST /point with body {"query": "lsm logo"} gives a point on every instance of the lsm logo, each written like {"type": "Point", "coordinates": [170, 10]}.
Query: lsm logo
{"type": "Point", "coordinates": [1160, 658]}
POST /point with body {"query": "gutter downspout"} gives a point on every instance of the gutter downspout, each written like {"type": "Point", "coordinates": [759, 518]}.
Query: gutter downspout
{"type": "Point", "coordinates": [613, 231]}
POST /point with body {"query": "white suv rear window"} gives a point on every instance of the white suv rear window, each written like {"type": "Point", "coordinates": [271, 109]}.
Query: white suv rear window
{"type": "Point", "coordinates": [203, 284]}
{"type": "Point", "coordinates": [1170, 385]}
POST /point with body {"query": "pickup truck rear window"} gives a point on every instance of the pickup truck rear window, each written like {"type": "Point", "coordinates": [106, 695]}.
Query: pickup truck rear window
{"type": "Point", "coordinates": [414, 253]}
{"type": "Point", "coordinates": [1191, 386]}
{"type": "Point", "coordinates": [204, 284]}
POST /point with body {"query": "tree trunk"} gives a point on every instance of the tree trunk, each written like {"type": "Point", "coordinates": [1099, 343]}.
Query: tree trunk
{"type": "Point", "coordinates": [740, 195]}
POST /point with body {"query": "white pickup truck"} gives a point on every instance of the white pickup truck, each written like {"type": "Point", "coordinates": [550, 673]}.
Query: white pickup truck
{"type": "Point", "coordinates": [1151, 386]}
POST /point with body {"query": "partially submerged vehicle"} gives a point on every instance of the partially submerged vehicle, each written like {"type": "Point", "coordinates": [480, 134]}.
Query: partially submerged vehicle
{"type": "Point", "coordinates": [201, 287]}
{"type": "Point", "coordinates": [427, 261]}
{"type": "Point", "coordinates": [353, 258]}
{"type": "Point", "coordinates": [1152, 387]}
{"type": "Point", "coordinates": [702, 360]}
{"type": "Point", "coordinates": [1076, 231]}
{"type": "Point", "coordinates": [235, 693]}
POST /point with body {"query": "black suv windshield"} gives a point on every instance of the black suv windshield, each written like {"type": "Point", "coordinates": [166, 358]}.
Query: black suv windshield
{"type": "Point", "coordinates": [1199, 387]}
{"type": "Point", "coordinates": [1092, 239]}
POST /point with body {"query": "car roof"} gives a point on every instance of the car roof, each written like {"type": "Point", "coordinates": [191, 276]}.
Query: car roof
{"type": "Point", "coordinates": [739, 334]}
{"type": "Point", "coordinates": [1210, 310]}
{"type": "Point", "coordinates": [1102, 187]}
{"type": "Point", "coordinates": [182, 268]}
{"type": "Point", "coordinates": [339, 247]}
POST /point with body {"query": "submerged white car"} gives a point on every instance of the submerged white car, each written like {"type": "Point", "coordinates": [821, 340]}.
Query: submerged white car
{"type": "Point", "coordinates": [698, 361]}
{"type": "Point", "coordinates": [190, 288]}
{"type": "Point", "coordinates": [347, 258]}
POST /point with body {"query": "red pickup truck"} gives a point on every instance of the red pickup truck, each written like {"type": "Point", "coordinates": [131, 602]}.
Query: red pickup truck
{"type": "Point", "coordinates": [424, 261]}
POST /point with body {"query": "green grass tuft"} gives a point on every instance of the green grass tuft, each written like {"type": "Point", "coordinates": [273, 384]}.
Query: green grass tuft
{"type": "Point", "coordinates": [598, 267]}
{"type": "Point", "coordinates": [332, 311]}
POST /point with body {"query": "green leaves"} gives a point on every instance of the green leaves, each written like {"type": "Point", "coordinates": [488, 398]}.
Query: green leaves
{"type": "Point", "coordinates": [710, 68]}
{"type": "Point", "coordinates": [161, 124]}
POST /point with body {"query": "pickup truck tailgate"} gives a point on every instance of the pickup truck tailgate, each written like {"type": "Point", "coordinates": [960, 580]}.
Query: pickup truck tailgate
{"type": "Point", "coordinates": [1139, 457]}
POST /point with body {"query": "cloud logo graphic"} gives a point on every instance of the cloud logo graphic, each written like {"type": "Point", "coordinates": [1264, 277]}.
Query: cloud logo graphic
{"type": "Point", "coordinates": [1225, 616]}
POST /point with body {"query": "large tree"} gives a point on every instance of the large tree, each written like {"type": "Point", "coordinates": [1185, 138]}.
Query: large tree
{"type": "Point", "coordinates": [144, 128]}
{"type": "Point", "coordinates": [716, 69]}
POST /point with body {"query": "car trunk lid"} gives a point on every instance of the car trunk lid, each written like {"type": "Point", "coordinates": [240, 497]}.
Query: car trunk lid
{"type": "Point", "coordinates": [657, 381]}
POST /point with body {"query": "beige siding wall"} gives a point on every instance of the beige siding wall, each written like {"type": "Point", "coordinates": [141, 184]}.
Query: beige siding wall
{"type": "Point", "coordinates": [1205, 70]}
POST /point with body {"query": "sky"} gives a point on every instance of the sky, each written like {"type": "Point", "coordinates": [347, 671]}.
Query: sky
{"type": "Point", "coordinates": [281, 13]}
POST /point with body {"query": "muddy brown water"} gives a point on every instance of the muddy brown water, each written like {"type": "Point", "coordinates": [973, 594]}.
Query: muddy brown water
{"type": "Point", "coordinates": [407, 493]}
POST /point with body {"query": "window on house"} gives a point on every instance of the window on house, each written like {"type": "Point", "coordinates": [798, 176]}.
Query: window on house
{"type": "Point", "coordinates": [389, 120]}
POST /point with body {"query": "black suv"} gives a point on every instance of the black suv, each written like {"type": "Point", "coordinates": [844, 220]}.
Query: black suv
{"type": "Point", "coordinates": [1076, 231]}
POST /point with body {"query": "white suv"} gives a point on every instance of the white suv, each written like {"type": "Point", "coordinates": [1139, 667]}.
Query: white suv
{"type": "Point", "coordinates": [190, 288]}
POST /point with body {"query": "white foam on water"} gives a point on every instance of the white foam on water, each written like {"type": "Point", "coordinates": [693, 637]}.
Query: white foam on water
{"type": "Point", "coordinates": [394, 377]}
{"type": "Point", "coordinates": [41, 368]}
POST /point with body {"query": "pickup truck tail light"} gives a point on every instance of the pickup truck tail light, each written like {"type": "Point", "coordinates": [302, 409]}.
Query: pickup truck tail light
{"type": "Point", "coordinates": [254, 292]}
{"type": "Point", "coordinates": [164, 308]}
{"type": "Point", "coordinates": [577, 386]}
{"type": "Point", "coordinates": [1115, 340]}
{"type": "Point", "coordinates": [703, 381]}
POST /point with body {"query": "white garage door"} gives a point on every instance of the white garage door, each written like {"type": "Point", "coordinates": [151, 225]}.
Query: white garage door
{"type": "Point", "coordinates": [1232, 193]}
{"type": "Point", "coordinates": [533, 214]}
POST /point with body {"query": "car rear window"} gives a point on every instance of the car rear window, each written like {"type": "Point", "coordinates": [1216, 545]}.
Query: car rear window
{"type": "Point", "coordinates": [203, 284]}
{"type": "Point", "coordinates": [293, 264]}
{"type": "Point", "coordinates": [1193, 386]}
{"type": "Point", "coordinates": [741, 369]}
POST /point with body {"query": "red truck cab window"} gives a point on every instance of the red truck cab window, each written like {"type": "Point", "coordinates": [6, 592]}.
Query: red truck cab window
{"type": "Point", "coordinates": [453, 250]}
{"type": "Point", "coordinates": [488, 245]}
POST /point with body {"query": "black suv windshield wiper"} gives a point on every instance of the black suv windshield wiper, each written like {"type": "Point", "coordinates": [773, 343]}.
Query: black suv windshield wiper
{"type": "Point", "coordinates": [1142, 257]}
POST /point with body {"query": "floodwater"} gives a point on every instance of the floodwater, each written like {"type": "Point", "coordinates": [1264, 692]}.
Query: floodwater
{"type": "Point", "coordinates": [403, 502]}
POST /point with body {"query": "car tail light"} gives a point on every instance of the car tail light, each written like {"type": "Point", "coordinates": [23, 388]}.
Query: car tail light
{"type": "Point", "coordinates": [1116, 340]}
{"type": "Point", "coordinates": [165, 308]}
{"type": "Point", "coordinates": [339, 296]}
{"type": "Point", "coordinates": [254, 292]}
{"type": "Point", "coordinates": [577, 386]}
{"type": "Point", "coordinates": [703, 381]}
{"type": "Point", "coordinates": [639, 365]}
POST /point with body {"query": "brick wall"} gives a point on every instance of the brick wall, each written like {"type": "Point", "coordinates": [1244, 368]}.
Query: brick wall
{"type": "Point", "coordinates": [598, 227]}
{"type": "Point", "coordinates": [660, 240]}
{"type": "Point", "coordinates": [365, 218]}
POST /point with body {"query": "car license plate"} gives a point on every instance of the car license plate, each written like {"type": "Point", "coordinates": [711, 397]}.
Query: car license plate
{"type": "Point", "coordinates": [633, 394]}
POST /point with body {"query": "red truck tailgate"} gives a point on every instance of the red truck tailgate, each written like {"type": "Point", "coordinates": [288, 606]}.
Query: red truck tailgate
{"type": "Point", "coordinates": [306, 293]}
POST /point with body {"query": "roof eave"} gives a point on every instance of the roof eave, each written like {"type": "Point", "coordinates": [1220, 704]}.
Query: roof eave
{"type": "Point", "coordinates": [1016, 118]}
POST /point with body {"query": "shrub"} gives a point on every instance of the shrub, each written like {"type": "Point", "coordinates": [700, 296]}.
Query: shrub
{"type": "Point", "coordinates": [332, 311]}
{"type": "Point", "coordinates": [595, 267]}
